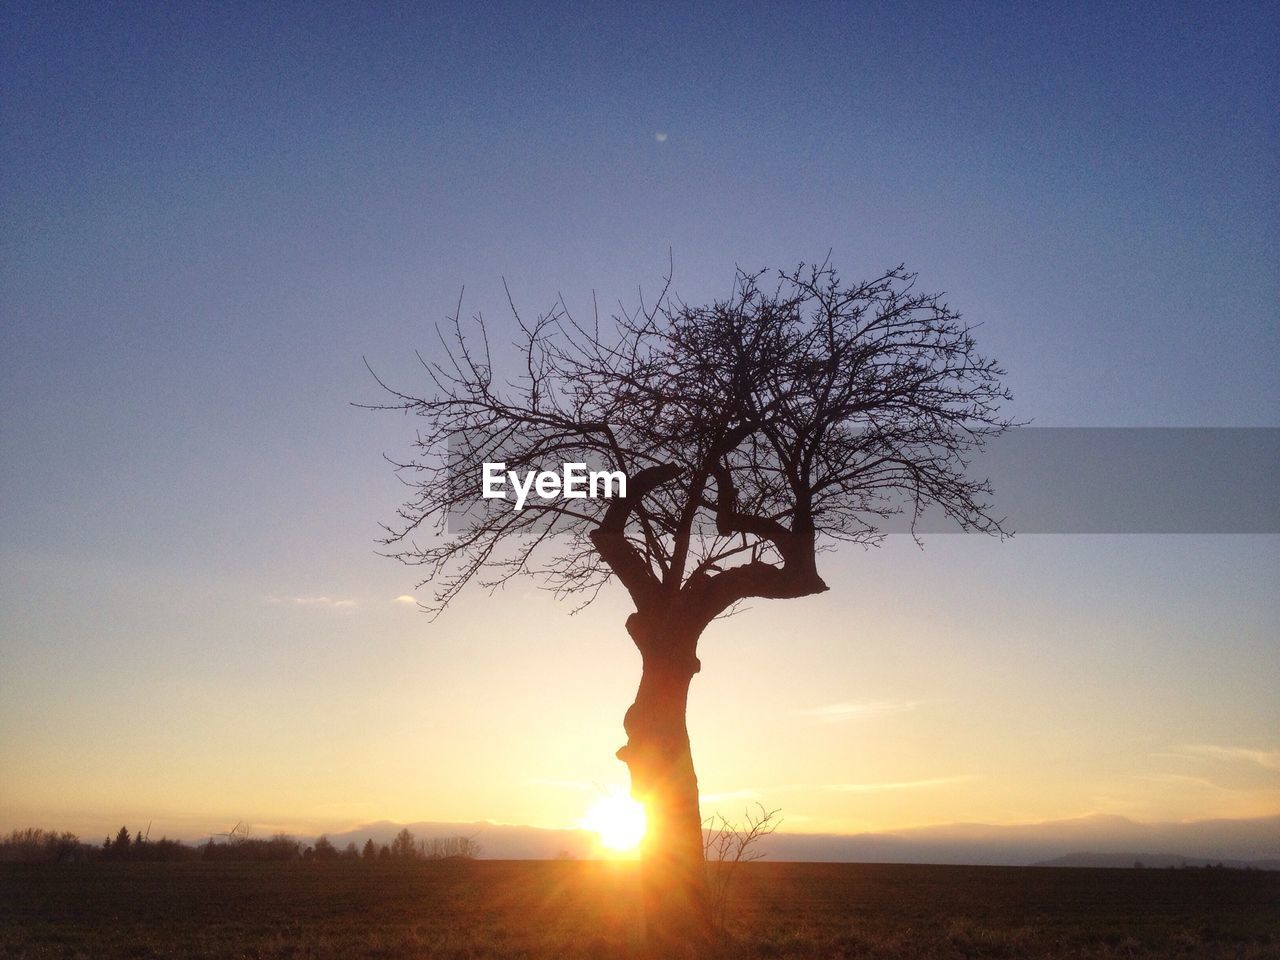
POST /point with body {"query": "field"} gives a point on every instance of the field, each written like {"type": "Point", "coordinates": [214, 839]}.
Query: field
{"type": "Point", "coordinates": [497, 909]}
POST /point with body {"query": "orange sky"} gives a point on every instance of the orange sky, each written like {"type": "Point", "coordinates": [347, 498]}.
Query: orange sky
{"type": "Point", "coordinates": [213, 219]}
{"type": "Point", "coordinates": [1051, 677]}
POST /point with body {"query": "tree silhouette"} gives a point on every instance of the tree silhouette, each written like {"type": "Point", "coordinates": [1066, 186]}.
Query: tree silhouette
{"type": "Point", "coordinates": [404, 846]}
{"type": "Point", "coordinates": [324, 848]}
{"type": "Point", "coordinates": [754, 433]}
{"type": "Point", "coordinates": [120, 849]}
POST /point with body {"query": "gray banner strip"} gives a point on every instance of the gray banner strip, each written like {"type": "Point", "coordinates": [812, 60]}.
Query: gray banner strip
{"type": "Point", "coordinates": [1128, 480]}
{"type": "Point", "coordinates": [1098, 480]}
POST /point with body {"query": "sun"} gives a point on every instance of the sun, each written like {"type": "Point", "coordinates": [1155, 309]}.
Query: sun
{"type": "Point", "coordinates": [617, 820]}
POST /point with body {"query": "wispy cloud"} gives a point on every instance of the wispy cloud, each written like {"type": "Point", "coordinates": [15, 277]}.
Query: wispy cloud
{"type": "Point", "coordinates": [898, 784]}
{"type": "Point", "coordinates": [745, 794]}
{"type": "Point", "coordinates": [334, 603]}
{"type": "Point", "coordinates": [1180, 779]}
{"type": "Point", "coordinates": [860, 710]}
{"type": "Point", "coordinates": [1270, 759]}
{"type": "Point", "coordinates": [406, 600]}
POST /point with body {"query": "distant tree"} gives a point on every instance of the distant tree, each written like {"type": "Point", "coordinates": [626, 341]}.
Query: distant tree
{"type": "Point", "coordinates": [350, 852]}
{"type": "Point", "coordinates": [34, 845]}
{"type": "Point", "coordinates": [450, 848]}
{"type": "Point", "coordinates": [168, 851]}
{"type": "Point", "coordinates": [753, 433]}
{"type": "Point", "coordinates": [121, 847]}
{"type": "Point", "coordinates": [324, 848]}
{"type": "Point", "coordinates": [281, 847]}
{"type": "Point", "coordinates": [369, 851]}
{"type": "Point", "coordinates": [384, 852]}
{"type": "Point", "coordinates": [404, 847]}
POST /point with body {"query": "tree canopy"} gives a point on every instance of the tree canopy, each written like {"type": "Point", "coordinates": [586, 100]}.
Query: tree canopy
{"type": "Point", "coordinates": [755, 431]}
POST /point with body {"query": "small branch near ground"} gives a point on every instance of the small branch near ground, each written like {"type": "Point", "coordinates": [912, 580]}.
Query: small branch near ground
{"type": "Point", "coordinates": [726, 844]}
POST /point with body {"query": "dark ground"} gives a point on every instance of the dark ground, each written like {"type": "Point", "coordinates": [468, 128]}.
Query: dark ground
{"type": "Point", "coordinates": [490, 909]}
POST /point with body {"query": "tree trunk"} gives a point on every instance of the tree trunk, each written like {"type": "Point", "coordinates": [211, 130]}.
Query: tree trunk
{"type": "Point", "coordinates": [673, 876]}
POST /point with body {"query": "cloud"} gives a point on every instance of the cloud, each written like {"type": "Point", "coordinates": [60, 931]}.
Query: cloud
{"type": "Point", "coordinates": [1270, 759]}
{"type": "Point", "coordinates": [332, 603]}
{"type": "Point", "coordinates": [897, 785]}
{"type": "Point", "coordinates": [747, 794]}
{"type": "Point", "coordinates": [406, 600]}
{"type": "Point", "coordinates": [660, 136]}
{"type": "Point", "coordinates": [323, 602]}
{"type": "Point", "coordinates": [839, 712]}
{"type": "Point", "coordinates": [1178, 778]}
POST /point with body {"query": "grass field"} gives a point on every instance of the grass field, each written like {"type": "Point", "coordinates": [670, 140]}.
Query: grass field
{"type": "Point", "coordinates": [481, 909]}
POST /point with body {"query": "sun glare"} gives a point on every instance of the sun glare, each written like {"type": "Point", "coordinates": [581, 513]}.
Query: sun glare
{"type": "Point", "coordinates": [617, 820]}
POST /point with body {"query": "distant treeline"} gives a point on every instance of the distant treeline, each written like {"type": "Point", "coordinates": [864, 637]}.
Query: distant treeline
{"type": "Point", "coordinates": [34, 845]}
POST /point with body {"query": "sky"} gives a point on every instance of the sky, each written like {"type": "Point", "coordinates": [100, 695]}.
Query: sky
{"type": "Point", "coordinates": [215, 214]}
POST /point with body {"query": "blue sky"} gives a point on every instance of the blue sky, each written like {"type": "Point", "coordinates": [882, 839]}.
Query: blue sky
{"type": "Point", "coordinates": [213, 213]}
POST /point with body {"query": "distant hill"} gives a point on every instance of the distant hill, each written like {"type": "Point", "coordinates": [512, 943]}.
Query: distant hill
{"type": "Point", "coordinates": [1152, 860]}
{"type": "Point", "coordinates": [1058, 842]}
{"type": "Point", "coordinates": [1022, 844]}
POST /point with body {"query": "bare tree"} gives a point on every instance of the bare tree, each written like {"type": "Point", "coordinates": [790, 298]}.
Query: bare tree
{"type": "Point", "coordinates": [754, 433]}
{"type": "Point", "coordinates": [324, 848]}
{"type": "Point", "coordinates": [449, 848]}
{"type": "Point", "coordinates": [404, 846]}
{"type": "Point", "coordinates": [34, 845]}
{"type": "Point", "coordinates": [727, 844]}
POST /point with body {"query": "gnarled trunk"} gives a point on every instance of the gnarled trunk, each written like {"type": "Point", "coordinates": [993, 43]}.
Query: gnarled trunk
{"type": "Point", "coordinates": [673, 875]}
